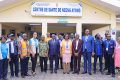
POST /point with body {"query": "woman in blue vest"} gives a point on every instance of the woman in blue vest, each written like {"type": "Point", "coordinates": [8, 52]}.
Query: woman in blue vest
{"type": "Point", "coordinates": [4, 56]}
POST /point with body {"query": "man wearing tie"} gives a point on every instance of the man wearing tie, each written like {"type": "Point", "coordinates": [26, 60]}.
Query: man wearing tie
{"type": "Point", "coordinates": [88, 48]}
{"type": "Point", "coordinates": [54, 52]}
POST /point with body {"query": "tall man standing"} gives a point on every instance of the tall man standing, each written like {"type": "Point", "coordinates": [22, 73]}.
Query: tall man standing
{"type": "Point", "coordinates": [109, 49]}
{"type": "Point", "coordinates": [13, 50]}
{"type": "Point", "coordinates": [24, 52]}
{"type": "Point", "coordinates": [88, 48]}
{"type": "Point", "coordinates": [54, 52]}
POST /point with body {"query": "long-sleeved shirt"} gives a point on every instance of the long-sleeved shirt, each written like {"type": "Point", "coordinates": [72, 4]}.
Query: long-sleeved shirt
{"type": "Point", "coordinates": [4, 51]}
{"type": "Point", "coordinates": [98, 47]}
{"type": "Point", "coordinates": [43, 47]}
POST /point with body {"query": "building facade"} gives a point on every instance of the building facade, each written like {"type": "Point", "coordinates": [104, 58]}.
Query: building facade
{"type": "Point", "coordinates": [17, 18]}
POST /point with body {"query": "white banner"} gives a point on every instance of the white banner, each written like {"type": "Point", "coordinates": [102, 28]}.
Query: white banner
{"type": "Point", "coordinates": [56, 9]}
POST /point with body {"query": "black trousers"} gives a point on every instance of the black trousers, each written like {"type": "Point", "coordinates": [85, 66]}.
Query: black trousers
{"type": "Point", "coordinates": [76, 63]}
{"type": "Point", "coordinates": [24, 66]}
{"type": "Point", "coordinates": [27, 63]}
{"type": "Point", "coordinates": [3, 68]}
{"type": "Point", "coordinates": [106, 63]}
{"type": "Point", "coordinates": [100, 62]}
{"type": "Point", "coordinates": [54, 58]}
{"type": "Point", "coordinates": [34, 62]}
{"type": "Point", "coordinates": [71, 63]}
{"type": "Point", "coordinates": [43, 63]}
{"type": "Point", "coordinates": [14, 64]}
{"type": "Point", "coordinates": [111, 66]}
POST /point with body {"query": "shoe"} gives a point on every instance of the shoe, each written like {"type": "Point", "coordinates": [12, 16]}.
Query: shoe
{"type": "Point", "coordinates": [64, 73]}
{"type": "Point", "coordinates": [90, 73]}
{"type": "Point", "coordinates": [68, 72]}
{"type": "Point", "coordinates": [94, 72]}
{"type": "Point", "coordinates": [101, 72]}
{"type": "Point", "coordinates": [5, 79]}
{"type": "Point", "coordinates": [107, 73]}
{"type": "Point", "coordinates": [34, 73]}
{"type": "Point", "coordinates": [16, 75]}
{"type": "Point", "coordinates": [23, 76]}
{"type": "Point", "coordinates": [78, 73]}
{"type": "Point", "coordinates": [84, 72]}
{"type": "Point", "coordinates": [55, 71]}
{"type": "Point", "coordinates": [51, 72]}
{"type": "Point", "coordinates": [104, 69]}
{"type": "Point", "coordinates": [27, 75]}
{"type": "Point", "coordinates": [113, 75]}
{"type": "Point", "coordinates": [45, 71]}
{"type": "Point", "coordinates": [41, 70]}
{"type": "Point", "coordinates": [73, 72]}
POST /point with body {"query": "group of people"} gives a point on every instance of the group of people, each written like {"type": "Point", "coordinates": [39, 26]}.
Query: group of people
{"type": "Point", "coordinates": [65, 51]}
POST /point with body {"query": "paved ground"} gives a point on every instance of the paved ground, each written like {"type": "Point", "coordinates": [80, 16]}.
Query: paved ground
{"type": "Point", "coordinates": [61, 76]}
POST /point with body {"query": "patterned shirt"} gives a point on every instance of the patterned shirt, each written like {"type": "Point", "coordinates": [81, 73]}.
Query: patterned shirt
{"type": "Point", "coordinates": [44, 47]}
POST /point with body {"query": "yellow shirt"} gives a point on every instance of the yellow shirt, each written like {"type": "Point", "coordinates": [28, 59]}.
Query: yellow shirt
{"type": "Point", "coordinates": [63, 46]}
{"type": "Point", "coordinates": [47, 39]}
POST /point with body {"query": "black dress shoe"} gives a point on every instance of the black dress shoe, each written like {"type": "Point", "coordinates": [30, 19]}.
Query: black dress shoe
{"type": "Point", "coordinates": [84, 72]}
{"type": "Point", "coordinates": [90, 73]}
{"type": "Point", "coordinates": [45, 71]}
{"type": "Point", "coordinates": [55, 71]}
{"type": "Point", "coordinates": [16, 75]}
{"type": "Point", "coordinates": [68, 72]}
{"type": "Point", "coordinates": [27, 75]}
{"type": "Point", "coordinates": [22, 76]}
{"type": "Point", "coordinates": [94, 72]}
{"type": "Point", "coordinates": [73, 72]}
{"type": "Point", "coordinates": [51, 72]}
{"type": "Point", "coordinates": [78, 73]}
{"type": "Point", "coordinates": [107, 73]}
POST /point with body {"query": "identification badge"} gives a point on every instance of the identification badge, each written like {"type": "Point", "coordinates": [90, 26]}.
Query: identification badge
{"type": "Point", "coordinates": [106, 49]}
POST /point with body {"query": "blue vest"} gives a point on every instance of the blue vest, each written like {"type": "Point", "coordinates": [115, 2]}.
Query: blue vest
{"type": "Point", "coordinates": [109, 46]}
{"type": "Point", "coordinates": [15, 44]}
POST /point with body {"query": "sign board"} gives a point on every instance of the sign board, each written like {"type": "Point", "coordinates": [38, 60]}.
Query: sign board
{"type": "Point", "coordinates": [56, 9]}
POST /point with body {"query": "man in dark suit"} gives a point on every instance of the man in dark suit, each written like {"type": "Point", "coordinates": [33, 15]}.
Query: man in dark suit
{"type": "Point", "coordinates": [54, 52]}
{"type": "Point", "coordinates": [88, 48]}
{"type": "Point", "coordinates": [77, 48]}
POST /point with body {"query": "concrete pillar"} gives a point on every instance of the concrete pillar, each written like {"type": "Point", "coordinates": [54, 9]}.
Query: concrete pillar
{"type": "Point", "coordinates": [0, 29]}
{"type": "Point", "coordinates": [113, 26]}
{"type": "Point", "coordinates": [44, 28]}
{"type": "Point", "coordinates": [79, 29]}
